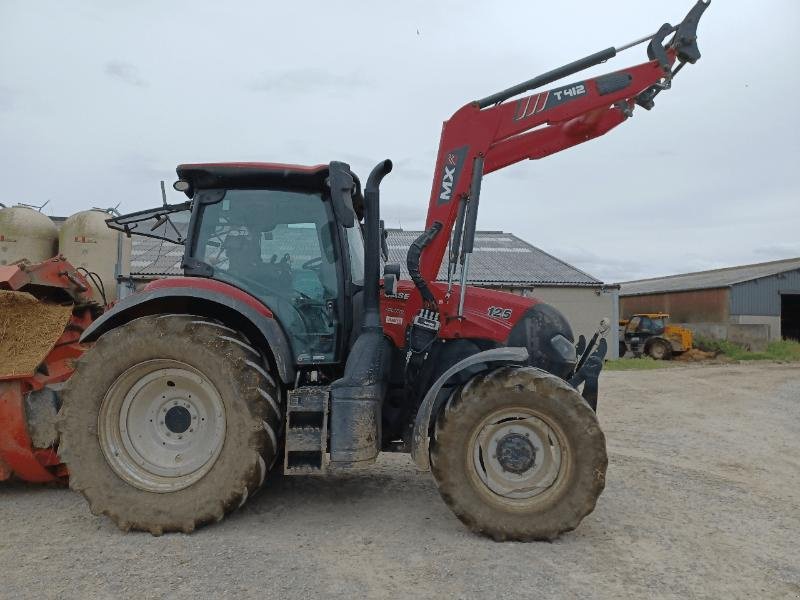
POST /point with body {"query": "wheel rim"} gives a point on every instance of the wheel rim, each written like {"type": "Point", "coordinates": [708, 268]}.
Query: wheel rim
{"type": "Point", "coordinates": [515, 454]}
{"type": "Point", "coordinates": [658, 351]}
{"type": "Point", "coordinates": [162, 425]}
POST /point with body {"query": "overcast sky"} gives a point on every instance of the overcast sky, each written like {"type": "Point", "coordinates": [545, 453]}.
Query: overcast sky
{"type": "Point", "coordinates": [100, 100]}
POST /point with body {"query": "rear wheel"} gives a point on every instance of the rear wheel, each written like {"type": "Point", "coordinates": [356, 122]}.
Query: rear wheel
{"type": "Point", "coordinates": [519, 455]}
{"type": "Point", "coordinates": [169, 422]}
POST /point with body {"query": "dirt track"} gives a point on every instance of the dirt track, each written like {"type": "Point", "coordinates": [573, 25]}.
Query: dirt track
{"type": "Point", "coordinates": [701, 501]}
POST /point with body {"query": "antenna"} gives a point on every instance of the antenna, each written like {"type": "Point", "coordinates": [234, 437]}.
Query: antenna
{"type": "Point", "coordinates": [39, 208]}
{"type": "Point", "coordinates": [111, 210]}
{"type": "Point", "coordinates": [163, 193]}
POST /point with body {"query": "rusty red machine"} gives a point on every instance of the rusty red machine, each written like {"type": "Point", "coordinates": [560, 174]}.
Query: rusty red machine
{"type": "Point", "coordinates": [283, 345]}
{"type": "Point", "coordinates": [44, 309]}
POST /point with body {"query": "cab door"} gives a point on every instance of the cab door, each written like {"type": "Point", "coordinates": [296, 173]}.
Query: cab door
{"type": "Point", "coordinates": [284, 248]}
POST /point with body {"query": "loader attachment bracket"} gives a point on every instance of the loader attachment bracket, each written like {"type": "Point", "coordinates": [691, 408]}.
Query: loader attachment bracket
{"type": "Point", "coordinates": [588, 374]}
{"type": "Point", "coordinates": [685, 40]}
{"type": "Point", "coordinates": [655, 49]}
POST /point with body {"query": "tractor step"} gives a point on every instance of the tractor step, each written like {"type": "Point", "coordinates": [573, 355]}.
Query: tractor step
{"type": "Point", "coordinates": [307, 430]}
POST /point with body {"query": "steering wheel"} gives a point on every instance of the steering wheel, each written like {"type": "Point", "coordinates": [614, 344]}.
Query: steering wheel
{"type": "Point", "coordinates": [312, 264]}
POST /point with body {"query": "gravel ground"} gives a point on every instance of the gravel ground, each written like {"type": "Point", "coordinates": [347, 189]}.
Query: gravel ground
{"type": "Point", "coordinates": [701, 501]}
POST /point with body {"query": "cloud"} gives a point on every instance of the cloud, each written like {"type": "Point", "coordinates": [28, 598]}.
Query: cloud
{"type": "Point", "coordinates": [778, 251]}
{"type": "Point", "coordinates": [125, 72]}
{"type": "Point", "coordinates": [306, 80]}
{"type": "Point", "coordinates": [411, 168]}
{"type": "Point", "coordinates": [6, 98]}
{"type": "Point", "coordinates": [607, 268]}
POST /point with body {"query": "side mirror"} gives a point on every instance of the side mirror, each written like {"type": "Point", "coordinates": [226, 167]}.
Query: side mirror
{"type": "Point", "coordinates": [391, 275]}
{"type": "Point", "coordinates": [342, 186]}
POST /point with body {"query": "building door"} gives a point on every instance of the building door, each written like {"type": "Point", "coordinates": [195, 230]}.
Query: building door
{"type": "Point", "coordinates": [790, 316]}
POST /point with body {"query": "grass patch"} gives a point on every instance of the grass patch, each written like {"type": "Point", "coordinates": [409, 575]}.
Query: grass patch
{"type": "Point", "coordinates": [636, 364]}
{"type": "Point", "coordinates": [784, 350]}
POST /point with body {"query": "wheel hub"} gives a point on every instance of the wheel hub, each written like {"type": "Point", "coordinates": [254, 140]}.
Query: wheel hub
{"type": "Point", "coordinates": [515, 454]}
{"type": "Point", "coordinates": [178, 419]}
{"type": "Point", "coordinates": [161, 425]}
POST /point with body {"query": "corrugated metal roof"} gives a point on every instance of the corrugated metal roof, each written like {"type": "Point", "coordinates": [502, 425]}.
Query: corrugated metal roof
{"type": "Point", "coordinates": [150, 257]}
{"type": "Point", "coordinates": [500, 259]}
{"type": "Point", "coordinates": [704, 280]}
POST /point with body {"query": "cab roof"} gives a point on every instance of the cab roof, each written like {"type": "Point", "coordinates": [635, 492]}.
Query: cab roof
{"type": "Point", "coordinates": [252, 174]}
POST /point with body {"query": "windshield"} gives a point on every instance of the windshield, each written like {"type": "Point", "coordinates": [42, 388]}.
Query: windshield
{"type": "Point", "coordinates": [279, 246]}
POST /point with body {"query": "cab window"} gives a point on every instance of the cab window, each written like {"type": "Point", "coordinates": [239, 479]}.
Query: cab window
{"type": "Point", "coordinates": [633, 325]}
{"type": "Point", "coordinates": [280, 247]}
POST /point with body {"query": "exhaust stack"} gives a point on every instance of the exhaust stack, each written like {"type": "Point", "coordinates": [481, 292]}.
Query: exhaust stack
{"type": "Point", "coordinates": [372, 245]}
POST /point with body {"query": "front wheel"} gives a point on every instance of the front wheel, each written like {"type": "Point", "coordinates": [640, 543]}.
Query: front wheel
{"type": "Point", "coordinates": [659, 350]}
{"type": "Point", "coordinates": [169, 422]}
{"type": "Point", "coordinates": [519, 455]}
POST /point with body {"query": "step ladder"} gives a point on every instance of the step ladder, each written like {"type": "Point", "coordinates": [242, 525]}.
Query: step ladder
{"type": "Point", "coordinates": [307, 430]}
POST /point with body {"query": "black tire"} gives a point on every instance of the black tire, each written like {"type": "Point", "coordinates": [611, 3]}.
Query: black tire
{"type": "Point", "coordinates": [659, 350]}
{"type": "Point", "coordinates": [580, 476]}
{"type": "Point", "coordinates": [246, 394]}
{"type": "Point", "coordinates": [623, 348]}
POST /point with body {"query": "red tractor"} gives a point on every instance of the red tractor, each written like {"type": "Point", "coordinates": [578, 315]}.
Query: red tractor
{"type": "Point", "coordinates": [283, 345]}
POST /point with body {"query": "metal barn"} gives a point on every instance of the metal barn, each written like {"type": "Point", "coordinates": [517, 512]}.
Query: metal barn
{"type": "Point", "coordinates": [752, 304]}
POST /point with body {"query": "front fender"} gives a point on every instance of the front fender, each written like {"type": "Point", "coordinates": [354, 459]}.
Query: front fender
{"type": "Point", "coordinates": [420, 447]}
{"type": "Point", "coordinates": [258, 326]}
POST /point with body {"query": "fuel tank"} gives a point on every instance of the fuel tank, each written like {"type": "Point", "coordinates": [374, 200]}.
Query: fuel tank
{"type": "Point", "coordinates": [25, 233]}
{"type": "Point", "coordinates": [87, 242]}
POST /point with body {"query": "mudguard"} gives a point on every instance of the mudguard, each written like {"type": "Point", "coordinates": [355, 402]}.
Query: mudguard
{"type": "Point", "coordinates": [420, 447]}
{"type": "Point", "coordinates": [257, 325]}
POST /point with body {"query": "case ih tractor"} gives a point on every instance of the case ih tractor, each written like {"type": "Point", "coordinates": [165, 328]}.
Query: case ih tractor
{"type": "Point", "coordinates": [283, 345]}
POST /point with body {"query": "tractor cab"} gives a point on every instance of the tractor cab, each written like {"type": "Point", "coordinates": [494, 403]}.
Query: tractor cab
{"type": "Point", "coordinates": [287, 235]}
{"type": "Point", "coordinates": [646, 324]}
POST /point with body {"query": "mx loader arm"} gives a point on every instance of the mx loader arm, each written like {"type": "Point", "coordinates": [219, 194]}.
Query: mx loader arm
{"type": "Point", "coordinates": [499, 130]}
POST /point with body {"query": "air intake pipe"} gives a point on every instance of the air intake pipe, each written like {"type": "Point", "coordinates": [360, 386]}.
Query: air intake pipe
{"type": "Point", "coordinates": [372, 245]}
{"type": "Point", "coordinates": [356, 398]}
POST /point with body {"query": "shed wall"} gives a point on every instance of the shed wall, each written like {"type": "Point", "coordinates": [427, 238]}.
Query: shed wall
{"type": "Point", "coordinates": [763, 296]}
{"type": "Point", "coordinates": [699, 306]}
{"type": "Point", "coordinates": [583, 307]}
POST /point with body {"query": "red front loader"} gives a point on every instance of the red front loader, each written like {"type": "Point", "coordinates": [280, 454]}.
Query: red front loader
{"type": "Point", "coordinates": [282, 345]}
